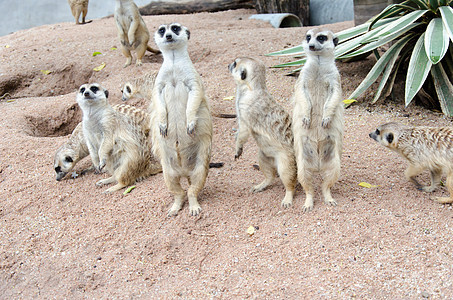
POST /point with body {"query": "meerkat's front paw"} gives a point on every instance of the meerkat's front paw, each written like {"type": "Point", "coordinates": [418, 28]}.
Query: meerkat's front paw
{"type": "Point", "coordinates": [191, 128]}
{"type": "Point", "coordinates": [102, 164]}
{"type": "Point", "coordinates": [326, 122]}
{"type": "Point", "coordinates": [163, 129]}
{"type": "Point", "coordinates": [306, 122]}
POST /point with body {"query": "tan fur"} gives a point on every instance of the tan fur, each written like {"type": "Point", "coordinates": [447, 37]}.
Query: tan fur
{"type": "Point", "coordinates": [141, 87]}
{"type": "Point", "coordinates": [132, 31]}
{"type": "Point", "coordinates": [425, 148]}
{"type": "Point", "coordinates": [79, 7]}
{"type": "Point", "coordinates": [262, 117]}
{"type": "Point", "coordinates": [115, 141]}
{"type": "Point", "coordinates": [180, 119]}
{"type": "Point", "coordinates": [318, 117]}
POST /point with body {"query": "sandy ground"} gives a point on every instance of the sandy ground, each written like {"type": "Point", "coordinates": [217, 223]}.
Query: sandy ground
{"type": "Point", "coordinates": [69, 240]}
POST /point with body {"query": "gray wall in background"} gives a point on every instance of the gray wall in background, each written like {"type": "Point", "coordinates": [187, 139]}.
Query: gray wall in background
{"type": "Point", "coordinates": [331, 11]}
{"type": "Point", "coordinates": [23, 14]}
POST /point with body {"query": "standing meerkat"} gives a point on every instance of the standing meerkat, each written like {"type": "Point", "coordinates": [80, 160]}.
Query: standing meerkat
{"type": "Point", "coordinates": [132, 31]}
{"type": "Point", "coordinates": [140, 87]}
{"type": "Point", "coordinates": [318, 116]}
{"type": "Point", "coordinates": [262, 117]}
{"type": "Point", "coordinates": [79, 7]}
{"type": "Point", "coordinates": [180, 119]}
{"type": "Point", "coordinates": [425, 148]}
{"type": "Point", "coordinates": [114, 140]}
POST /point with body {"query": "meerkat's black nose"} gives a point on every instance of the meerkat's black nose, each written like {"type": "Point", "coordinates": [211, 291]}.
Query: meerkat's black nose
{"type": "Point", "coordinates": [312, 48]}
{"type": "Point", "coordinates": [169, 37]}
{"type": "Point", "coordinates": [86, 94]}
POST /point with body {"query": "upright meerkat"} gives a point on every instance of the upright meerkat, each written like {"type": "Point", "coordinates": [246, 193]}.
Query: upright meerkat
{"type": "Point", "coordinates": [79, 7]}
{"type": "Point", "coordinates": [132, 31]}
{"type": "Point", "coordinates": [318, 116]}
{"type": "Point", "coordinates": [139, 87]}
{"type": "Point", "coordinates": [425, 148]}
{"type": "Point", "coordinates": [180, 118]}
{"type": "Point", "coordinates": [262, 117]}
{"type": "Point", "coordinates": [114, 140]}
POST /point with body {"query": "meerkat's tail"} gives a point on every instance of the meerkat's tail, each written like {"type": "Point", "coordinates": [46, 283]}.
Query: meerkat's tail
{"type": "Point", "coordinates": [151, 49]}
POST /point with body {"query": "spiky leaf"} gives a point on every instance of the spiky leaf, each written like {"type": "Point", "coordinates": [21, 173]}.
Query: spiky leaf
{"type": "Point", "coordinates": [444, 89]}
{"type": "Point", "coordinates": [418, 70]}
{"type": "Point", "coordinates": [436, 40]}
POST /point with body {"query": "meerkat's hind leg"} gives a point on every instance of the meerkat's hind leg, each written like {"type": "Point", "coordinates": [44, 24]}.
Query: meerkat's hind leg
{"type": "Point", "coordinates": [331, 176]}
{"type": "Point", "coordinates": [106, 181]}
{"type": "Point", "coordinates": [127, 53]}
{"type": "Point", "coordinates": [449, 183]}
{"type": "Point", "coordinates": [267, 166]}
{"type": "Point", "coordinates": [115, 188]}
{"type": "Point", "coordinates": [140, 50]}
{"type": "Point", "coordinates": [286, 167]}
{"type": "Point", "coordinates": [305, 178]}
{"type": "Point", "coordinates": [174, 186]}
{"type": "Point", "coordinates": [196, 182]}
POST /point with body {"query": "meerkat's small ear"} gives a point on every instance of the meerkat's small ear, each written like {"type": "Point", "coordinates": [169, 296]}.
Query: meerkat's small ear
{"type": "Point", "coordinates": [188, 34]}
{"type": "Point", "coordinates": [243, 74]}
{"type": "Point", "coordinates": [106, 93]}
{"type": "Point", "coordinates": [389, 138]}
{"type": "Point", "coordinates": [335, 41]}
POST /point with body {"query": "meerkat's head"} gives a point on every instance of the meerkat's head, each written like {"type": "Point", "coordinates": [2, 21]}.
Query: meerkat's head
{"type": "Point", "coordinates": [64, 161]}
{"type": "Point", "coordinates": [92, 94]}
{"type": "Point", "coordinates": [171, 36]}
{"type": "Point", "coordinates": [319, 42]}
{"type": "Point", "coordinates": [248, 71]}
{"type": "Point", "coordinates": [388, 134]}
{"type": "Point", "coordinates": [128, 91]}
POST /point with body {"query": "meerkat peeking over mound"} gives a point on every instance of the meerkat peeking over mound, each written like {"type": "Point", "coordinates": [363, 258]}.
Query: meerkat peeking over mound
{"type": "Point", "coordinates": [115, 141]}
{"type": "Point", "coordinates": [425, 148]}
{"type": "Point", "coordinates": [79, 7]}
{"type": "Point", "coordinates": [262, 117]}
{"type": "Point", "coordinates": [141, 87]}
{"type": "Point", "coordinates": [180, 119]}
{"type": "Point", "coordinates": [318, 116]}
{"type": "Point", "coordinates": [132, 31]}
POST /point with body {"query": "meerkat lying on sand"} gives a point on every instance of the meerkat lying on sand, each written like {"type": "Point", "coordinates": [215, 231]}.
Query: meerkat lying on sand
{"type": "Point", "coordinates": [79, 7]}
{"type": "Point", "coordinates": [180, 119]}
{"type": "Point", "coordinates": [132, 31]}
{"type": "Point", "coordinates": [425, 148]}
{"type": "Point", "coordinates": [262, 117]}
{"type": "Point", "coordinates": [114, 140]}
{"type": "Point", "coordinates": [141, 87]}
{"type": "Point", "coordinates": [318, 116]}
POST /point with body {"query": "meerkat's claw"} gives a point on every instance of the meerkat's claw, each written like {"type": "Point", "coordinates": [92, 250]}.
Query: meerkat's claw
{"type": "Point", "coordinates": [102, 164]}
{"type": "Point", "coordinates": [238, 153]}
{"type": "Point", "coordinates": [306, 122]}
{"type": "Point", "coordinates": [163, 130]}
{"type": "Point", "coordinates": [326, 122]}
{"type": "Point", "coordinates": [191, 128]}
{"type": "Point", "coordinates": [194, 210]}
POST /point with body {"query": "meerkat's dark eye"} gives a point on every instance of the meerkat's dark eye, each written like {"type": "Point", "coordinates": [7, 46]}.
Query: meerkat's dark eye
{"type": "Point", "coordinates": [94, 89]}
{"type": "Point", "coordinates": [68, 159]}
{"type": "Point", "coordinates": [82, 90]}
{"type": "Point", "coordinates": [128, 89]}
{"type": "Point", "coordinates": [378, 132]}
{"type": "Point", "coordinates": [234, 64]}
{"type": "Point", "coordinates": [308, 38]}
{"type": "Point", "coordinates": [58, 169]}
{"type": "Point", "coordinates": [176, 29]}
{"type": "Point", "coordinates": [161, 31]}
{"type": "Point", "coordinates": [390, 138]}
{"type": "Point", "coordinates": [321, 38]}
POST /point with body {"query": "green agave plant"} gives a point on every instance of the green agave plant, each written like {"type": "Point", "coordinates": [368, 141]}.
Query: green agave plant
{"type": "Point", "coordinates": [419, 33]}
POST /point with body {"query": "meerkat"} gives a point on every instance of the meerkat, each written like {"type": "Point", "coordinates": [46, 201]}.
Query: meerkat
{"type": "Point", "coordinates": [262, 117]}
{"type": "Point", "coordinates": [79, 7]}
{"type": "Point", "coordinates": [70, 153]}
{"type": "Point", "coordinates": [318, 116]}
{"type": "Point", "coordinates": [114, 141]}
{"type": "Point", "coordinates": [425, 148]}
{"type": "Point", "coordinates": [132, 31]}
{"type": "Point", "coordinates": [140, 87]}
{"type": "Point", "coordinates": [180, 119]}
